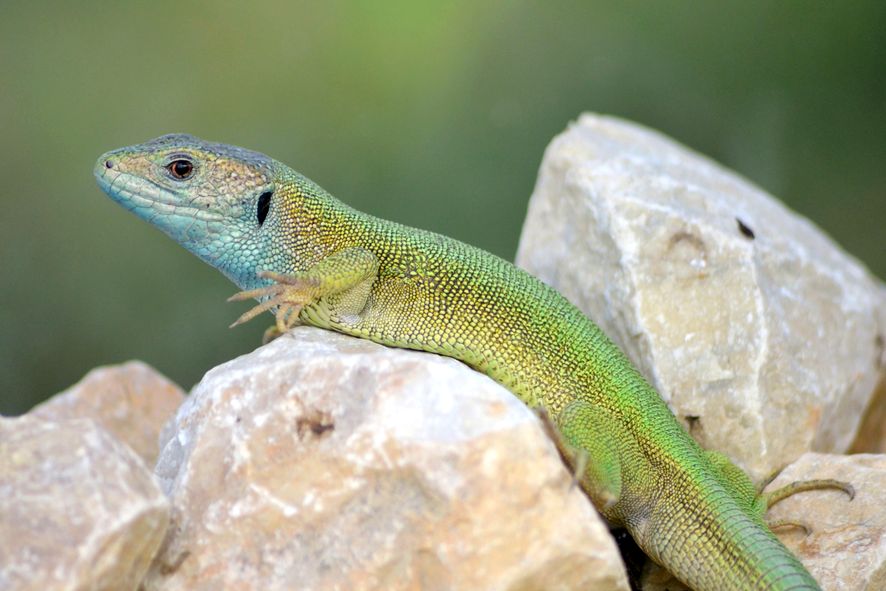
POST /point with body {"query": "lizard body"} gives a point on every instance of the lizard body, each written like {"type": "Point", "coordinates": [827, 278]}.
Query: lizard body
{"type": "Point", "coordinates": [312, 259]}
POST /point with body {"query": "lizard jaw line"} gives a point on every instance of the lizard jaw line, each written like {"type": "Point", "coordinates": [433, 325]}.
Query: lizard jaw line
{"type": "Point", "coordinates": [138, 193]}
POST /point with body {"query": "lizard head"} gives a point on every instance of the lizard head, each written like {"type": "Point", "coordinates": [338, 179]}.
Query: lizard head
{"type": "Point", "coordinates": [211, 198]}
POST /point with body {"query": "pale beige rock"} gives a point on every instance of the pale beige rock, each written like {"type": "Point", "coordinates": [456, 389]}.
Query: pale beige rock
{"type": "Point", "coordinates": [846, 550]}
{"type": "Point", "coordinates": [759, 332]}
{"type": "Point", "coordinates": [78, 509]}
{"type": "Point", "coordinates": [871, 437]}
{"type": "Point", "coordinates": [132, 401]}
{"type": "Point", "coordinates": [326, 462]}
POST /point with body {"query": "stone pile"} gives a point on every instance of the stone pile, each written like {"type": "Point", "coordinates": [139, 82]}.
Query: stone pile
{"type": "Point", "coordinates": [325, 462]}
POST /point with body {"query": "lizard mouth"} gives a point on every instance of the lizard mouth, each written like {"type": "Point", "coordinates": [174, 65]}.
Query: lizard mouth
{"type": "Point", "coordinates": [144, 197]}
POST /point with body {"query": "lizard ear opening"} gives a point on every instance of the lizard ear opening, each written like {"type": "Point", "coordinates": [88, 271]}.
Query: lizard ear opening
{"type": "Point", "coordinates": [264, 204]}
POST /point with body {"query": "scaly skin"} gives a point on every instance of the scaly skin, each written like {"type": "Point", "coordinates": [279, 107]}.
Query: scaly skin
{"type": "Point", "coordinates": [331, 266]}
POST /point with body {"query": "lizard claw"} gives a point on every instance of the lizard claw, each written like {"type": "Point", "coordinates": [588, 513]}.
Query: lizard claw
{"type": "Point", "coordinates": [256, 310]}
{"type": "Point", "coordinates": [788, 523]}
{"type": "Point", "coordinates": [240, 296]}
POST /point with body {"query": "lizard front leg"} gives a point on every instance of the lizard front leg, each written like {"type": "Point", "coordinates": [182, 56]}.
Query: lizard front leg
{"type": "Point", "coordinates": [347, 274]}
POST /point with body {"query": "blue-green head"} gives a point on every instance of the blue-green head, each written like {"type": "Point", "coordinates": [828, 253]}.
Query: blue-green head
{"type": "Point", "coordinates": [213, 199]}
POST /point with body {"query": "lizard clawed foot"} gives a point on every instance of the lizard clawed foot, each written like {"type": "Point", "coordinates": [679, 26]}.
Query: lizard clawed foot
{"type": "Point", "coordinates": [289, 295]}
{"type": "Point", "coordinates": [789, 523]}
{"type": "Point", "coordinates": [793, 488]}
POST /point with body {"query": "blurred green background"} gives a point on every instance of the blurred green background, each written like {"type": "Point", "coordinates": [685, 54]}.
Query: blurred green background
{"type": "Point", "coordinates": [431, 114]}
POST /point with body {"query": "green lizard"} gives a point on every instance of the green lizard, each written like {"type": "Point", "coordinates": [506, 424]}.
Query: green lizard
{"type": "Point", "coordinates": [312, 259]}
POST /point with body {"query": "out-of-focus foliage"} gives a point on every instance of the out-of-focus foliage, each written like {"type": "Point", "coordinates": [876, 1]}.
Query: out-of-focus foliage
{"type": "Point", "coordinates": [431, 114]}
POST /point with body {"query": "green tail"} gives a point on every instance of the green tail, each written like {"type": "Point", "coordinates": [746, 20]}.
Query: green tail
{"type": "Point", "coordinates": [709, 542]}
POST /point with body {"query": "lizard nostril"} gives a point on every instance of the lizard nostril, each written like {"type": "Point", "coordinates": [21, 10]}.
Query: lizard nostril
{"type": "Point", "coordinates": [109, 164]}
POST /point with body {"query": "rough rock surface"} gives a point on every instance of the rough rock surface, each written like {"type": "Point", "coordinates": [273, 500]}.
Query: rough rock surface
{"type": "Point", "coordinates": [871, 437]}
{"type": "Point", "coordinates": [326, 462]}
{"type": "Point", "coordinates": [846, 549]}
{"type": "Point", "coordinates": [761, 334]}
{"type": "Point", "coordinates": [78, 509]}
{"type": "Point", "coordinates": [132, 401]}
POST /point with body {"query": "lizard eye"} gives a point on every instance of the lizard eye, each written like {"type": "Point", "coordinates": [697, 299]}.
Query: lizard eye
{"type": "Point", "coordinates": [180, 169]}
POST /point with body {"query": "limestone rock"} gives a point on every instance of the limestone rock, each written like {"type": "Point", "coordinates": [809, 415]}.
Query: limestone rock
{"type": "Point", "coordinates": [871, 437]}
{"type": "Point", "coordinates": [132, 401]}
{"type": "Point", "coordinates": [78, 509]}
{"type": "Point", "coordinates": [759, 332]}
{"type": "Point", "coordinates": [326, 462]}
